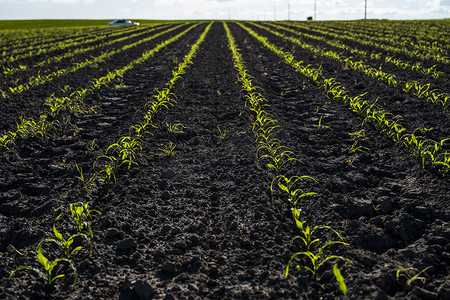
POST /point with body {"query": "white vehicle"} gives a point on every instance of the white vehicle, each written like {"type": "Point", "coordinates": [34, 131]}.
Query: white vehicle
{"type": "Point", "coordinates": [122, 22]}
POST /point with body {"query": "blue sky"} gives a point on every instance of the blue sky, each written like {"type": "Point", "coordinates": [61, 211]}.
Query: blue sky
{"type": "Point", "coordinates": [222, 9]}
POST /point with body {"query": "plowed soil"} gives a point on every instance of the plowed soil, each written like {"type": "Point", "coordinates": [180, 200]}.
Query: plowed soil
{"type": "Point", "coordinates": [202, 223]}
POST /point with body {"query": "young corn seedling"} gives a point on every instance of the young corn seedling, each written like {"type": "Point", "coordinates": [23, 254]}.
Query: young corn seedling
{"type": "Point", "coordinates": [222, 133]}
{"type": "Point", "coordinates": [81, 213]}
{"type": "Point", "coordinates": [409, 86]}
{"type": "Point", "coordinates": [321, 126]}
{"type": "Point", "coordinates": [287, 185]}
{"type": "Point", "coordinates": [262, 119]}
{"type": "Point", "coordinates": [126, 148]}
{"type": "Point", "coordinates": [277, 157]}
{"type": "Point", "coordinates": [411, 275]}
{"type": "Point", "coordinates": [88, 184]}
{"type": "Point", "coordinates": [48, 268]}
{"type": "Point", "coordinates": [92, 146]}
{"type": "Point", "coordinates": [421, 90]}
{"type": "Point", "coordinates": [175, 128]}
{"type": "Point", "coordinates": [317, 259]}
{"type": "Point", "coordinates": [357, 136]}
{"type": "Point", "coordinates": [358, 106]}
{"type": "Point", "coordinates": [444, 165]}
{"type": "Point", "coordinates": [417, 145]}
{"type": "Point", "coordinates": [167, 150]}
{"type": "Point", "coordinates": [306, 235]}
{"type": "Point", "coordinates": [263, 135]}
{"type": "Point", "coordinates": [109, 171]}
{"type": "Point", "coordinates": [30, 128]}
{"type": "Point", "coordinates": [66, 245]}
{"type": "Point", "coordinates": [4, 141]}
{"type": "Point", "coordinates": [143, 127]}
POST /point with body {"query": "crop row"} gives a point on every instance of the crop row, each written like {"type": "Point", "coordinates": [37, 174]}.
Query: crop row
{"type": "Point", "coordinates": [278, 158]}
{"type": "Point", "coordinates": [429, 152]}
{"type": "Point", "coordinates": [420, 90]}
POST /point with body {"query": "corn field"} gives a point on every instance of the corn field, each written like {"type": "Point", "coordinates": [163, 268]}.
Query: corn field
{"type": "Point", "coordinates": [197, 160]}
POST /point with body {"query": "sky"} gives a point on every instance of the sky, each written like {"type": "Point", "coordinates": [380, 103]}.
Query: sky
{"type": "Point", "coordinates": [224, 9]}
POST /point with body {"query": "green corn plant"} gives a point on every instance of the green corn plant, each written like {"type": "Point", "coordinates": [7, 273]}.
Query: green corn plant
{"type": "Point", "coordinates": [5, 140]}
{"type": "Point", "coordinates": [340, 280]}
{"type": "Point", "coordinates": [307, 233]}
{"type": "Point", "coordinates": [167, 150]}
{"type": "Point", "coordinates": [357, 136]}
{"type": "Point", "coordinates": [80, 214]}
{"type": "Point", "coordinates": [109, 171]}
{"type": "Point", "coordinates": [444, 100]}
{"type": "Point", "coordinates": [143, 127]}
{"type": "Point", "coordinates": [262, 119]}
{"type": "Point", "coordinates": [222, 133]}
{"type": "Point", "coordinates": [64, 244]}
{"type": "Point", "coordinates": [355, 148]}
{"type": "Point", "coordinates": [288, 185]}
{"type": "Point", "coordinates": [318, 258]}
{"type": "Point", "coordinates": [421, 90]}
{"type": "Point", "coordinates": [264, 136]}
{"type": "Point", "coordinates": [175, 128]}
{"type": "Point", "coordinates": [30, 128]}
{"type": "Point", "coordinates": [48, 268]}
{"type": "Point", "coordinates": [443, 166]}
{"type": "Point", "coordinates": [254, 100]}
{"type": "Point", "coordinates": [433, 150]}
{"type": "Point", "coordinates": [126, 148]}
{"type": "Point", "coordinates": [88, 184]}
{"type": "Point", "coordinates": [414, 143]}
{"type": "Point", "coordinates": [357, 106]}
{"type": "Point", "coordinates": [276, 156]}
{"type": "Point", "coordinates": [411, 275]}
{"type": "Point", "coordinates": [321, 126]}
{"type": "Point", "coordinates": [394, 130]}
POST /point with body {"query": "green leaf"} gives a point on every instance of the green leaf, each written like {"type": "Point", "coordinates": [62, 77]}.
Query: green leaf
{"type": "Point", "coordinates": [299, 237]}
{"type": "Point", "coordinates": [22, 268]}
{"type": "Point", "coordinates": [306, 268]}
{"type": "Point", "coordinates": [42, 259]}
{"type": "Point", "coordinates": [57, 234]}
{"type": "Point", "coordinates": [76, 249]}
{"type": "Point", "coordinates": [58, 276]}
{"type": "Point", "coordinates": [340, 280]}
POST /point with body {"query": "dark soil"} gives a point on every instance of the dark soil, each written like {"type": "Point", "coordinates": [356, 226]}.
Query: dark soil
{"type": "Point", "coordinates": [202, 223]}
